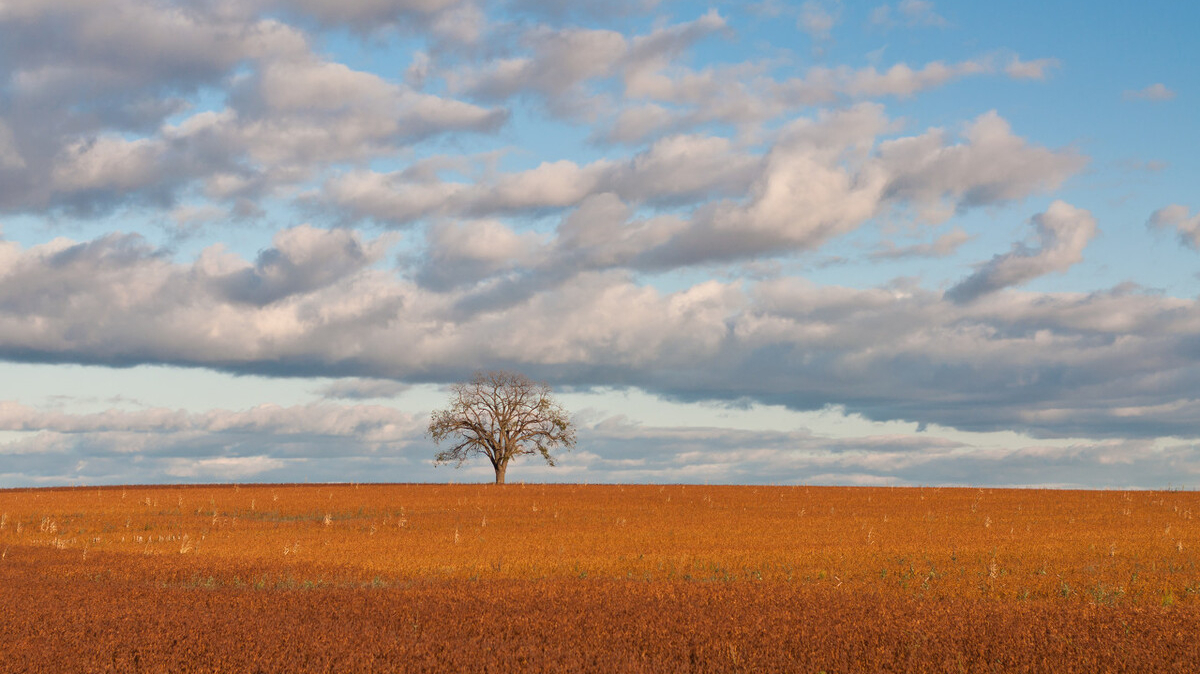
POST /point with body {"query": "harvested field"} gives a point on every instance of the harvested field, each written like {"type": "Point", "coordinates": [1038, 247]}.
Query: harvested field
{"type": "Point", "coordinates": [596, 578]}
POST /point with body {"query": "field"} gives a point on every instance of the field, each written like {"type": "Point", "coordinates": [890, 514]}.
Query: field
{"type": "Point", "coordinates": [335, 578]}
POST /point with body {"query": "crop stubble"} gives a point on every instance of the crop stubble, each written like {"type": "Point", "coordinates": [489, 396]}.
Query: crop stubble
{"type": "Point", "coordinates": [588, 578]}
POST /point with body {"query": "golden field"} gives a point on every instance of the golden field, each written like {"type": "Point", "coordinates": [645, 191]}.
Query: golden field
{"type": "Point", "coordinates": [598, 577]}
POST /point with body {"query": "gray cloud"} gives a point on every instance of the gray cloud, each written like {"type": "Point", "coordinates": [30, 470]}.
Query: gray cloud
{"type": "Point", "coordinates": [671, 100]}
{"type": "Point", "coordinates": [550, 269]}
{"type": "Point", "coordinates": [1114, 363]}
{"type": "Point", "coordinates": [992, 166]}
{"type": "Point", "coordinates": [265, 442]}
{"type": "Point", "coordinates": [371, 443]}
{"type": "Point", "coordinates": [674, 170]}
{"type": "Point", "coordinates": [82, 119]}
{"type": "Point", "coordinates": [821, 178]}
{"type": "Point", "coordinates": [362, 389]}
{"type": "Point", "coordinates": [554, 64]}
{"type": "Point", "coordinates": [1062, 233]}
{"type": "Point", "coordinates": [1176, 217]}
{"type": "Point", "coordinates": [302, 259]}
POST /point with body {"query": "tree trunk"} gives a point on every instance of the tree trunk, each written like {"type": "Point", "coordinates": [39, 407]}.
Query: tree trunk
{"type": "Point", "coordinates": [500, 470]}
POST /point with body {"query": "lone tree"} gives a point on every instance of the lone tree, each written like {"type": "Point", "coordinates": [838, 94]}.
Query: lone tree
{"type": "Point", "coordinates": [501, 415]}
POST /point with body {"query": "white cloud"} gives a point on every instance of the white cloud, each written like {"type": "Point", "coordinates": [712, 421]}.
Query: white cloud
{"type": "Point", "coordinates": [816, 20]}
{"type": "Point", "coordinates": [91, 119]}
{"type": "Point", "coordinates": [945, 245]}
{"type": "Point", "coordinates": [225, 468]}
{"type": "Point", "coordinates": [374, 422]}
{"type": "Point", "coordinates": [301, 260]}
{"type": "Point", "coordinates": [676, 169]}
{"type": "Point", "coordinates": [1037, 69]}
{"type": "Point", "coordinates": [555, 64]}
{"type": "Point", "coordinates": [1049, 363]}
{"type": "Point", "coordinates": [1176, 216]}
{"type": "Point", "coordinates": [362, 389]}
{"type": "Point", "coordinates": [992, 166]}
{"type": "Point", "coordinates": [1154, 92]}
{"type": "Point", "coordinates": [635, 226]}
{"type": "Point", "coordinates": [1062, 233]}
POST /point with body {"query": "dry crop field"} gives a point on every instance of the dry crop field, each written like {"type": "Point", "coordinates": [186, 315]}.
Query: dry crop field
{"type": "Point", "coordinates": [381, 578]}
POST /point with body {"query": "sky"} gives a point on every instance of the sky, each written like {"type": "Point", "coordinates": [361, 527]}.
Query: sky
{"type": "Point", "coordinates": [881, 243]}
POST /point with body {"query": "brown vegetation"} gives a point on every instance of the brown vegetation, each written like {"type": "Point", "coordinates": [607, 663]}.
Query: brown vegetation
{"type": "Point", "coordinates": [617, 578]}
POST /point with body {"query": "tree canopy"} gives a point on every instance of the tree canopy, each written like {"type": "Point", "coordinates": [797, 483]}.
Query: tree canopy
{"type": "Point", "coordinates": [501, 415]}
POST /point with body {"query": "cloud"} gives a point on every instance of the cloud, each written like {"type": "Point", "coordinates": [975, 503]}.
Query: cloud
{"type": "Point", "coordinates": [1037, 69]}
{"type": "Point", "coordinates": [908, 12]}
{"type": "Point", "coordinates": [992, 166]}
{"type": "Point", "coordinates": [611, 449]}
{"type": "Point", "coordinates": [945, 245]}
{"type": "Point", "coordinates": [1154, 92]}
{"type": "Point", "coordinates": [1175, 216]}
{"type": "Point", "coordinates": [821, 178]}
{"type": "Point", "coordinates": [267, 442]}
{"type": "Point", "coordinates": [554, 64]}
{"type": "Point", "coordinates": [649, 247]}
{"type": "Point", "coordinates": [672, 100]}
{"type": "Point", "coordinates": [920, 12]}
{"type": "Point", "coordinates": [1110, 363]}
{"type": "Point", "coordinates": [86, 128]}
{"type": "Point", "coordinates": [302, 259]}
{"type": "Point", "coordinates": [10, 155]}
{"type": "Point", "coordinates": [369, 15]}
{"type": "Point", "coordinates": [558, 11]}
{"type": "Point", "coordinates": [362, 389]}
{"type": "Point", "coordinates": [225, 468]}
{"type": "Point", "coordinates": [466, 252]}
{"type": "Point", "coordinates": [816, 20]}
{"type": "Point", "coordinates": [673, 170]}
{"type": "Point", "coordinates": [1062, 233]}
{"type": "Point", "coordinates": [373, 422]}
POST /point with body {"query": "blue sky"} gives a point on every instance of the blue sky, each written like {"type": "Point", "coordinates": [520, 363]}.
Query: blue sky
{"type": "Point", "coordinates": [824, 242]}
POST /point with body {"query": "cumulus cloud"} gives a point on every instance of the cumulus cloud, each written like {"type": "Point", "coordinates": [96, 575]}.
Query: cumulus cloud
{"type": "Point", "coordinates": [678, 98]}
{"type": "Point", "coordinates": [820, 179]}
{"type": "Point", "coordinates": [1110, 363]}
{"type": "Point", "coordinates": [301, 260]}
{"type": "Point", "coordinates": [554, 63]}
{"type": "Point", "coordinates": [1037, 69]}
{"type": "Point", "coordinates": [992, 166]}
{"type": "Point", "coordinates": [1154, 92]}
{"type": "Point", "coordinates": [1062, 232]}
{"type": "Point", "coordinates": [676, 169]}
{"type": "Point", "coordinates": [816, 20]}
{"type": "Point", "coordinates": [377, 423]}
{"type": "Point", "coordinates": [369, 15]}
{"type": "Point", "coordinates": [178, 447]}
{"type": "Point", "coordinates": [88, 130]}
{"type": "Point", "coordinates": [1176, 216]}
{"type": "Point", "coordinates": [945, 245]}
{"type": "Point", "coordinates": [584, 264]}
{"type": "Point", "coordinates": [264, 442]}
